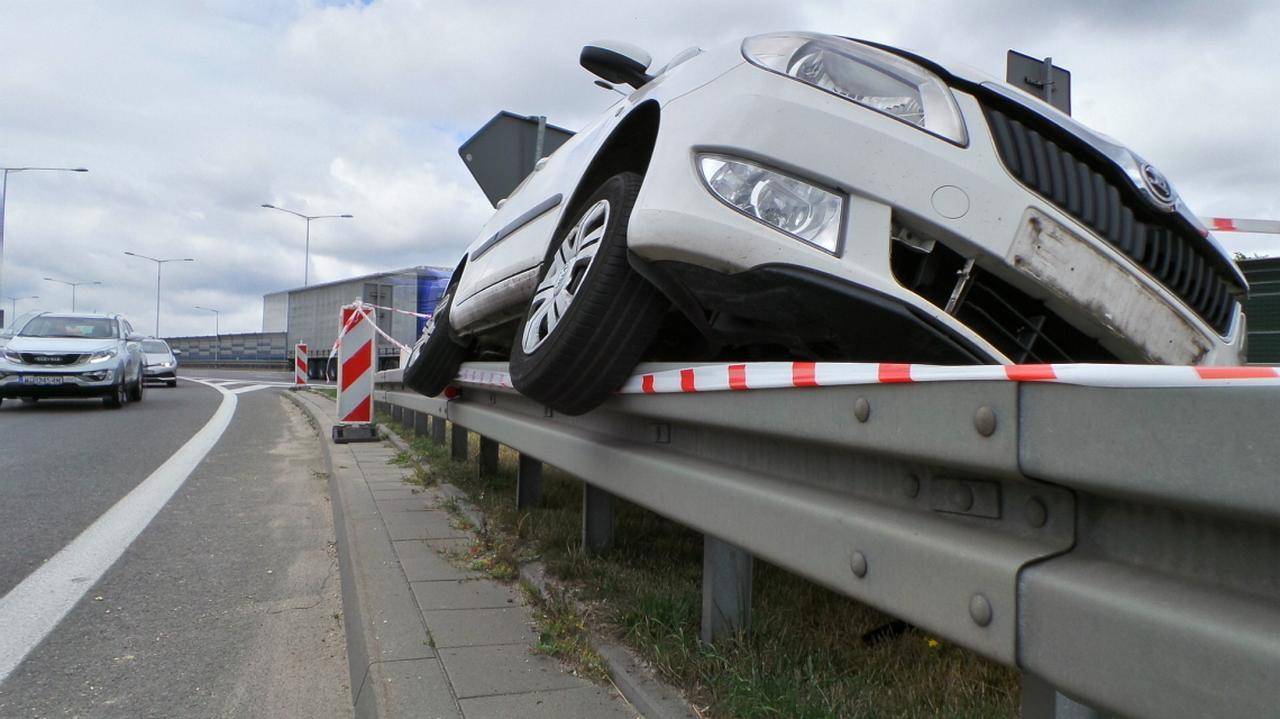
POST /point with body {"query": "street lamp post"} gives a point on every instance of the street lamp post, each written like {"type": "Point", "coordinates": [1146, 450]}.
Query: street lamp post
{"type": "Point", "coordinates": [159, 264]}
{"type": "Point", "coordinates": [4, 188]}
{"type": "Point", "coordinates": [217, 335]}
{"type": "Point", "coordinates": [306, 259]}
{"type": "Point", "coordinates": [74, 285]}
{"type": "Point", "coordinates": [13, 311]}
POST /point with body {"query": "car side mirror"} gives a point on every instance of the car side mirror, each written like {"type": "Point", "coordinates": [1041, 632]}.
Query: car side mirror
{"type": "Point", "coordinates": [177, 353]}
{"type": "Point", "coordinates": [617, 62]}
{"type": "Point", "coordinates": [133, 338]}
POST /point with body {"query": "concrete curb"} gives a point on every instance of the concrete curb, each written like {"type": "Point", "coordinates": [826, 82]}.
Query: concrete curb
{"type": "Point", "coordinates": [375, 595]}
{"type": "Point", "coordinates": [652, 698]}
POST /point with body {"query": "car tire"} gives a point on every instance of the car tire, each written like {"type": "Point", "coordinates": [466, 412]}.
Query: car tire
{"type": "Point", "coordinates": [436, 356]}
{"type": "Point", "coordinates": [119, 395]}
{"type": "Point", "coordinates": [135, 392]}
{"type": "Point", "coordinates": [172, 383]}
{"type": "Point", "coordinates": [592, 315]}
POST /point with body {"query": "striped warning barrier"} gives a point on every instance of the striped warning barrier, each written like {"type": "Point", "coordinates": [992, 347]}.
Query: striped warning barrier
{"type": "Point", "coordinates": [356, 366]}
{"type": "Point", "coordinates": [778, 375]}
{"type": "Point", "coordinates": [300, 364]}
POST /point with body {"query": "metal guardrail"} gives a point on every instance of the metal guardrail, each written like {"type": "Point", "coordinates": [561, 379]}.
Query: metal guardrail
{"type": "Point", "coordinates": [1120, 547]}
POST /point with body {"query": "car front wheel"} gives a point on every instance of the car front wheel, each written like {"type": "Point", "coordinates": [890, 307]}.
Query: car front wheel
{"type": "Point", "coordinates": [592, 316]}
{"type": "Point", "coordinates": [119, 395]}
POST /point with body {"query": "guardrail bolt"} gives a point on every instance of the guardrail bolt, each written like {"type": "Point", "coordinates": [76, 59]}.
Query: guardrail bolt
{"type": "Point", "coordinates": [862, 409]}
{"type": "Point", "coordinates": [980, 610]}
{"type": "Point", "coordinates": [984, 420]}
{"type": "Point", "coordinates": [1036, 513]}
{"type": "Point", "coordinates": [858, 564]}
{"type": "Point", "coordinates": [912, 487]}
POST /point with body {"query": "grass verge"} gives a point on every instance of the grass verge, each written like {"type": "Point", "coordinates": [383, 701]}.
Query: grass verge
{"type": "Point", "coordinates": [806, 656]}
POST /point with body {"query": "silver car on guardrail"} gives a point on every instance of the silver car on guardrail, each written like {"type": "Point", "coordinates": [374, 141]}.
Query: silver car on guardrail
{"type": "Point", "coordinates": [73, 355]}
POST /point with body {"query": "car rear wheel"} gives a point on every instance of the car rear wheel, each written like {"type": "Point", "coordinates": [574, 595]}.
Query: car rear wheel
{"type": "Point", "coordinates": [592, 315]}
{"type": "Point", "coordinates": [119, 395]}
{"type": "Point", "coordinates": [436, 356]}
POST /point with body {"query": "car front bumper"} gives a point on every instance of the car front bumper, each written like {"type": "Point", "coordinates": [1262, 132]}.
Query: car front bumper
{"type": "Point", "coordinates": [892, 174]}
{"type": "Point", "coordinates": [160, 373]}
{"type": "Point", "coordinates": [16, 383]}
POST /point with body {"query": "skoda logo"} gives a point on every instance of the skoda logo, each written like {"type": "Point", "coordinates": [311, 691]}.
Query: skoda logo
{"type": "Point", "coordinates": [1157, 185]}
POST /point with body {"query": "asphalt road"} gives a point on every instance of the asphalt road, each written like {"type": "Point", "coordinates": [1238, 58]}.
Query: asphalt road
{"type": "Point", "coordinates": [226, 604]}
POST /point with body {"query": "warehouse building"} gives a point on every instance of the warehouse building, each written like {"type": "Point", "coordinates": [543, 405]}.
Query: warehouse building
{"type": "Point", "coordinates": [309, 315]}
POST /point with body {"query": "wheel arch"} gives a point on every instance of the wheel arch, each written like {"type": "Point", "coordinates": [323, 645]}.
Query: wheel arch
{"type": "Point", "coordinates": [627, 149]}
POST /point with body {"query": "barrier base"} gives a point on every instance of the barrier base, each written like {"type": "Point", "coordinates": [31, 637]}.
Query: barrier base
{"type": "Point", "coordinates": [345, 433]}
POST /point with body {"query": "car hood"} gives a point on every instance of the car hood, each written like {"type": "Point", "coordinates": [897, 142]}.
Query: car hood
{"type": "Point", "coordinates": [59, 344]}
{"type": "Point", "coordinates": [157, 357]}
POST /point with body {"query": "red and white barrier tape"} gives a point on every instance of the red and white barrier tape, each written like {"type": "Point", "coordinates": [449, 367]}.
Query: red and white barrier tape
{"type": "Point", "coordinates": [1231, 224]}
{"type": "Point", "coordinates": [776, 375]}
{"type": "Point", "coordinates": [343, 329]}
{"type": "Point", "coordinates": [396, 310]}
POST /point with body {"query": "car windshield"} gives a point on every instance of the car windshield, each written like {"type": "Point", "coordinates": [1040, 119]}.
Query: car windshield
{"type": "Point", "coordinates": [78, 327]}
{"type": "Point", "coordinates": [155, 347]}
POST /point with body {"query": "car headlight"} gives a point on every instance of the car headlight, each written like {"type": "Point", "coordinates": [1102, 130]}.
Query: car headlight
{"type": "Point", "coordinates": [798, 208]}
{"type": "Point", "coordinates": [103, 356]}
{"type": "Point", "coordinates": [12, 356]}
{"type": "Point", "coordinates": [872, 78]}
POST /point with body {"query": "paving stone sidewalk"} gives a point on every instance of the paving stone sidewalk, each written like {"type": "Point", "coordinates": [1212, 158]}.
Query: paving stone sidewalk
{"type": "Point", "coordinates": [429, 638]}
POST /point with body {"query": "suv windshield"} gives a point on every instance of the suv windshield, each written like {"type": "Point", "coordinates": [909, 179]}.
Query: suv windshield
{"type": "Point", "coordinates": [78, 327]}
{"type": "Point", "coordinates": [155, 347]}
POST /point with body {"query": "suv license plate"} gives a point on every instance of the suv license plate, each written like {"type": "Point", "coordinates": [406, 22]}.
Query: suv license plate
{"type": "Point", "coordinates": [42, 379]}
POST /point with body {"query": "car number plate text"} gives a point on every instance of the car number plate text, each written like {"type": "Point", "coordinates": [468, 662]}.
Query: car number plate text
{"type": "Point", "coordinates": [43, 379]}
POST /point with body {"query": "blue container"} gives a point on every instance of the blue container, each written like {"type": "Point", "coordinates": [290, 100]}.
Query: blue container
{"type": "Point", "coordinates": [431, 285]}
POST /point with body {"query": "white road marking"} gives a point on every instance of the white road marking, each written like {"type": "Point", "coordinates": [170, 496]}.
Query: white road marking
{"type": "Point", "coordinates": [256, 387]}
{"type": "Point", "coordinates": [35, 606]}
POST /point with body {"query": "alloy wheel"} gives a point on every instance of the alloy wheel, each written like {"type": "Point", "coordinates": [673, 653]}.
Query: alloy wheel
{"type": "Point", "coordinates": [569, 265]}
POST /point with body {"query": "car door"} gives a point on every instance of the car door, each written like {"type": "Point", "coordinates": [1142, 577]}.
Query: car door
{"type": "Point", "coordinates": [133, 348]}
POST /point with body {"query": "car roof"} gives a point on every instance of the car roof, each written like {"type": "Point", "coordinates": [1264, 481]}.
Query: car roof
{"type": "Point", "coordinates": [82, 315]}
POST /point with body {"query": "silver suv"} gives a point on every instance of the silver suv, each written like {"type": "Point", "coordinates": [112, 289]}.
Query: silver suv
{"type": "Point", "coordinates": [73, 355]}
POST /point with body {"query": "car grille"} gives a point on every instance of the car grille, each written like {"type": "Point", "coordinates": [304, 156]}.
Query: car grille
{"type": "Point", "coordinates": [1176, 256]}
{"type": "Point", "coordinates": [1020, 326]}
{"type": "Point", "coordinates": [51, 358]}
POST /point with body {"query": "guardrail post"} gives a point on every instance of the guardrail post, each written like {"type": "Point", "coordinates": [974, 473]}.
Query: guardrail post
{"type": "Point", "coordinates": [420, 420]}
{"type": "Point", "coordinates": [726, 589]}
{"type": "Point", "coordinates": [397, 413]}
{"type": "Point", "coordinates": [597, 519]}
{"type": "Point", "coordinates": [488, 457]}
{"type": "Point", "coordinates": [406, 419]}
{"type": "Point", "coordinates": [528, 482]}
{"type": "Point", "coordinates": [437, 430]}
{"type": "Point", "coordinates": [460, 443]}
{"type": "Point", "coordinates": [1040, 700]}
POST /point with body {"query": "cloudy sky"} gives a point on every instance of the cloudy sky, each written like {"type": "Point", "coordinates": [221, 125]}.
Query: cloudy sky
{"type": "Point", "coordinates": [192, 113]}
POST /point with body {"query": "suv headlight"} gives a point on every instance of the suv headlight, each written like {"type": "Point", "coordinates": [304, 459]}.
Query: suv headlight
{"type": "Point", "coordinates": [872, 78]}
{"type": "Point", "coordinates": [798, 208]}
{"type": "Point", "coordinates": [12, 356]}
{"type": "Point", "coordinates": [102, 356]}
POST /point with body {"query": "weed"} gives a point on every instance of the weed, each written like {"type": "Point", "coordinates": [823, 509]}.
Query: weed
{"type": "Point", "coordinates": [804, 658]}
